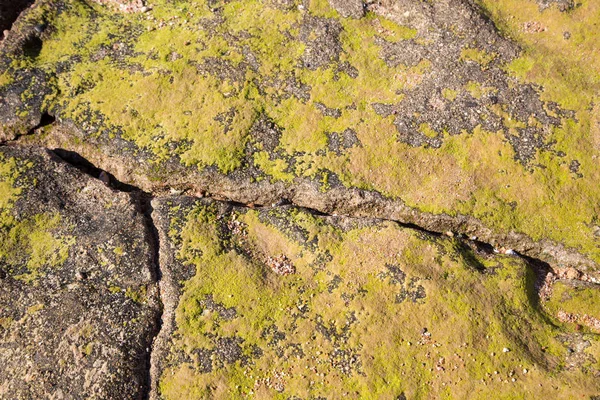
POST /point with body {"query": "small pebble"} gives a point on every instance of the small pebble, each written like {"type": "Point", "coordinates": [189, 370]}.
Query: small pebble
{"type": "Point", "coordinates": [505, 350]}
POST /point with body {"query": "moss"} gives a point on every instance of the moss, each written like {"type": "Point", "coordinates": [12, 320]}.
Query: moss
{"type": "Point", "coordinates": [449, 94]}
{"type": "Point", "coordinates": [35, 308]}
{"type": "Point", "coordinates": [114, 289]}
{"type": "Point", "coordinates": [578, 300]}
{"type": "Point", "coordinates": [188, 89]}
{"type": "Point", "coordinates": [5, 79]}
{"type": "Point", "coordinates": [139, 294]}
{"type": "Point", "coordinates": [277, 168]}
{"type": "Point", "coordinates": [371, 312]}
{"type": "Point", "coordinates": [88, 349]}
{"type": "Point", "coordinates": [476, 90]}
{"type": "Point", "coordinates": [477, 55]}
{"type": "Point", "coordinates": [28, 243]}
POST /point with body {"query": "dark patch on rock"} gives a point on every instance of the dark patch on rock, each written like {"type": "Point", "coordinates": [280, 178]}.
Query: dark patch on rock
{"type": "Point", "coordinates": [273, 335]}
{"type": "Point", "coordinates": [346, 68]}
{"type": "Point", "coordinates": [266, 132]}
{"type": "Point", "coordinates": [408, 53]}
{"type": "Point", "coordinates": [278, 217]}
{"type": "Point", "coordinates": [384, 110]}
{"type": "Point", "coordinates": [22, 102]}
{"type": "Point", "coordinates": [563, 5]}
{"type": "Point", "coordinates": [334, 283]}
{"type": "Point", "coordinates": [322, 39]}
{"type": "Point", "coordinates": [223, 69]}
{"type": "Point", "coordinates": [227, 313]}
{"type": "Point", "coordinates": [338, 142]}
{"type": "Point", "coordinates": [328, 112]}
{"type": "Point", "coordinates": [228, 349]}
{"type": "Point", "coordinates": [298, 89]}
{"type": "Point", "coordinates": [345, 361]}
{"type": "Point", "coordinates": [397, 276]}
{"type": "Point", "coordinates": [202, 360]}
{"type": "Point", "coordinates": [574, 166]}
{"type": "Point", "coordinates": [83, 326]}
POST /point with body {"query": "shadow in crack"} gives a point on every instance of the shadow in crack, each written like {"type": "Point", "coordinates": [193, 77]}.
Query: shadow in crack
{"type": "Point", "coordinates": [10, 10]}
{"type": "Point", "coordinates": [85, 166]}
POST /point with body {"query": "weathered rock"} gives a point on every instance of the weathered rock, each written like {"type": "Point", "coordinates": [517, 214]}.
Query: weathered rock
{"type": "Point", "coordinates": [421, 112]}
{"type": "Point", "coordinates": [409, 111]}
{"type": "Point", "coordinates": [371, 309]}
{"type": "Point", "coordinates": [78, 303]}
{"type": "Point", "coordinates": [349, 8]}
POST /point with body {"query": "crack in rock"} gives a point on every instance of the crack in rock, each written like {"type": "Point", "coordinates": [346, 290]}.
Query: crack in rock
{"type": "Point", "coordinates": [168, 291]}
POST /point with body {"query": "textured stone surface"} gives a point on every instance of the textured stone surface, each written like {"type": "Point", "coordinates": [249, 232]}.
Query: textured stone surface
{"type": "Point", "coordinates": [349, 8]}
{"type": "Point", "coordinates": [451, 242]}
{"type": "Point", "coordinates": [77, 300]}
{"type": "Point", "coordinates": [371, 310]}
{"type": "Point", "coordinates": [419, 111]}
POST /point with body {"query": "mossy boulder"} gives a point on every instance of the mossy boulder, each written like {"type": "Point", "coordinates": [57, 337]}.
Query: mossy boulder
{"type": "Point", "coordinates": [445, 153]}
{"type": "Point", "coordinates": [78, 305]}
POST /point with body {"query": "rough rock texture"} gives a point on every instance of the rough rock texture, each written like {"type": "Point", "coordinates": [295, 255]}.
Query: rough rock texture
{"type": "Point", "coordinates": [9, 11]}
{"type": "Point", "coordinates": [450, 244]}
{"type": "Point", "coordinates": [77, 300]}
{"type": "Point", "coordinates": [370, 309]}
{"type": "Point", "coordinates": [349, 8]}
{"type": "Point", "coordinates": [419, 111]}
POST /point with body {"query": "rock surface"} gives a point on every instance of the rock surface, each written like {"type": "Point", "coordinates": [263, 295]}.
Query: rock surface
{"type": "Point", "coordinates": [78, 305]}
{"type": "Point", "coordinates": [450, 240]}
{"type": "Point", "coordinates": [419, 111]}
{"type": "Point", "coordinates": [370, 309]}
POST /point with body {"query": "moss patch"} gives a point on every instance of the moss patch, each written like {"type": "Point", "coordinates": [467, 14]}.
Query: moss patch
{"type": "Point", "coordinates": [184, 84]}
{"type": "Point", "coordinates": [27, 243]}
{"type": "Point", "coordinates": [372, 311]}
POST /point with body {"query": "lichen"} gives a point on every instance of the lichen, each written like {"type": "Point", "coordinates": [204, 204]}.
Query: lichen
{"type": "Point", "coordinates": [185, 83]}
{"type": "Point", "coordinates": [28, 244]}
{"type": "Point", "coordinates": [372, 311]}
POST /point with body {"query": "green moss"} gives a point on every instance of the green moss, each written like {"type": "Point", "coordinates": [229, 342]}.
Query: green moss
{"type": "Point", "coordinates": [476, 90]}
{"type": "Point", "coordinates": [114, 289]}
{"type": "Point", "coordinates": [186, 90]}
{"type": "Point", "coordinates": [275, 168]}
{"type": "Point", "coordinates": [88, 349]}
{"type": "Point", "coordinates": [449, 94]}
{"type": "Point", "coordinates": [477, 55]}
{"type": "Point", "coordinates": [139, 294]}
{"type": "Point", "coordinates": [5, 79]}
{"type": "Point", "coordinates": [578, 300]}
{"type": "Point", "coordinates": [351, 319]}
{"type": "Point", "coordinates": [34, 309]}
{"type": "Point", "coordinates": [27, 241]}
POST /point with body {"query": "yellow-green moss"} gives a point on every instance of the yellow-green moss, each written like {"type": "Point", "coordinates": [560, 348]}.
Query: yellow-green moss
{"type": "Point", "coordinates": [29, 240]}
{"type": "Point", "coordinates": [156, 91]}
{"type": "Point", "coordinates": [572, 299]}
{"type": "Point", "coordinates": [346, 283]}
{"type": "Point", "coordinates": [139, 294]}
{"type": "Point", "coordinates": [479, 56]}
